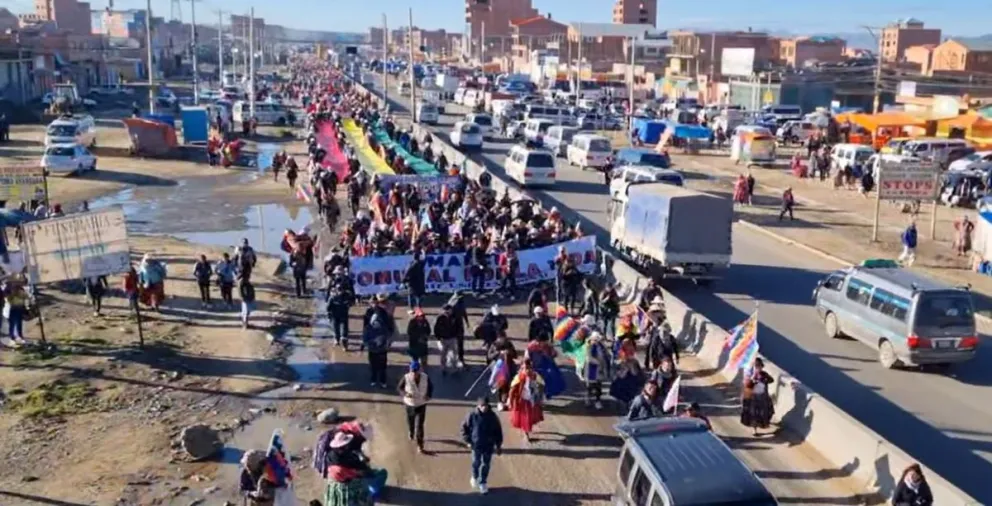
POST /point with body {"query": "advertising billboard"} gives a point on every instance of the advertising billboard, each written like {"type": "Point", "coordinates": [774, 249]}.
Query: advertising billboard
{"type": "Point", "coordinates": [737, 61]}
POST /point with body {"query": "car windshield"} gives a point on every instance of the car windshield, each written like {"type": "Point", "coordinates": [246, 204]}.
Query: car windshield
{"type": "Point", "coordinates": [599, 145]}
{"type": "Point", "coordinates": [862, 156]}
{"type": "Point", "coordinates": [654, 160]}
{"type": "Point", "coordinates": [483, 120]}
{"type": "Point", "coordinates": [61, 151]}
{"type": "Point", "coordinates": [470, 129]}
{"type": "Point", "coordinates": [942, 311]}
{"type": "Point", "coordinates": [974, 157]}
{"type": "Point", "coordinates": [62, 130]}
{"type": "Point", "coordinates": [543, 127]}
{"type": "Point", "coordinates": [673, 179]}
{"type": "Point", "coordinates": [541, 161]}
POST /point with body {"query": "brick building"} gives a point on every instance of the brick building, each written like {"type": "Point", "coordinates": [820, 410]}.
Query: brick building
{"type": "Point", "coordinates": [901, 35]}
{"type": "Point", "coordinates": [922, 56]}
{"type": "Point", "coordinates": [797, 51]}
{"type": "Point", "coordinates": [495, 15]}
{"type": "Point", "coordinates": [635, 12]}
{"type": "Point", "coordinates": [695, 53]}
{"type": "Point", "coordinates": [375, 36]}
{"type": "Point", "coordinates": [68, 15]}
{"type": "Point", "coordinates": [963, 56]}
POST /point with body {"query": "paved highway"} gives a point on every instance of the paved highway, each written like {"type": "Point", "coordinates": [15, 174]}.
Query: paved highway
{"type": "Point", "coordinates": [944, 420]}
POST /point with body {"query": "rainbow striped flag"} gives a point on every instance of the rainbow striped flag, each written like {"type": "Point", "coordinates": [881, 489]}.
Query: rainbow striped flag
{"type": "Point", "coordinates": [565, 325]}
{"type": "Point", "coordinates": [304, 192]}
{"type": "Point", "coordinates": [277, 468]}
{"type": "Point", "coordinates": [743, 344]}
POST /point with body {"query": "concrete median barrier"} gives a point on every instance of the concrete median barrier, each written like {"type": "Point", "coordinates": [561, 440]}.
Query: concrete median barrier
{"type": "Point", "coordinates": [800, 412]}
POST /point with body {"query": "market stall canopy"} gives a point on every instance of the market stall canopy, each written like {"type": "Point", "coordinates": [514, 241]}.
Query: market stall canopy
{"type": "Point", "coordinates": [149, 137]}
{"type": "Point", "coordinates": [977, 128]}
{"type": "Point", "coordinates": [887, 119]}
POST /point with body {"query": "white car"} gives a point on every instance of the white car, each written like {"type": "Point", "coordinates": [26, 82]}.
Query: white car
{"type": "Point", "coordinates": [466, 135]}
{"type": "Point", "coordinates": [484, 121]}
{"type": "Point", "coordinates": [68, 159]}
{"type": "Point", "coordinates": [981, 160]}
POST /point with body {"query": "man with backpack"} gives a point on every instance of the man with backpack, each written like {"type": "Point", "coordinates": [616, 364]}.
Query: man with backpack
{"type": "Point", "coordinates": [245, 259]}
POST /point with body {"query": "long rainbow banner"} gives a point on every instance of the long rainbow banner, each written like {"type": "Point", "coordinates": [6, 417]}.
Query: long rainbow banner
{"type": "Point", "coordinates": [369, 158]}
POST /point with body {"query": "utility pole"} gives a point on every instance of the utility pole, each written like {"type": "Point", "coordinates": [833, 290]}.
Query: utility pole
{"type": "Point", "coordinates": [630, 86]}
{"type": "Point", "coordinates": [196, 72]}
{"type": "Point", "coordinates": [876, 102]}
{"type": "Point", "coordinates": [578, 75]}
{"type": "Point", "coordinates": [220, 47]}
{"type": "Point", "coordinates": [413, 77]}
{"type": "Point", "coordinates": [482, 45]}
{"type": "Point", "coordinates": [151, 71]}
{"type": "Point", "coordinates": [251, 61]}
{"type": "Point", "coordinates": [385, 56]}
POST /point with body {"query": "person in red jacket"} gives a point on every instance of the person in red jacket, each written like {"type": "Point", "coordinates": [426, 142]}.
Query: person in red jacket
{"type": "Point", "coordinates": [130, 286]}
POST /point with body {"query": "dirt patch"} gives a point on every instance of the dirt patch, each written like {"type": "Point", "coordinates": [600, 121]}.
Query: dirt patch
{"type": "Point", "coordinates": [105, 412]}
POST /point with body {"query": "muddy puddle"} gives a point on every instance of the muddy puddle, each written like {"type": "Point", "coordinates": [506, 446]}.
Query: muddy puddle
{"type": "Point", "coordinates": [190, 210]}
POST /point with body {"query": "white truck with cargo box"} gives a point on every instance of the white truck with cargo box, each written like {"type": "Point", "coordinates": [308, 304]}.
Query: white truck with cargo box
{"type": "Point", "coordinates": [448, 84]}
{"type": "Point", "coordinates": [672, 232]}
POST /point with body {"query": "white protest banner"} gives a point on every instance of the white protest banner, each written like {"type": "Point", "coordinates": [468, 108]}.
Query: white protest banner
{"type": "Point", "coordinates": [448, 272]}
{"type": "Point", "coordinates": [429, 187]}
{"type": "Point", "coordinates": [77, 246]}
{"type": "Point", "coordinates": [22, 182]}
{"type": "Point", "coordinates": [905, 178]}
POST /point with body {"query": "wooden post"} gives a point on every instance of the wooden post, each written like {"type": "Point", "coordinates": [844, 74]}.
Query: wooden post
{"type": "Point", "coordinates": [878, 206]}
{"type": "Point", "coordinates": [41, 319]}
{"type": "Point", "coordinates": [137, 314]}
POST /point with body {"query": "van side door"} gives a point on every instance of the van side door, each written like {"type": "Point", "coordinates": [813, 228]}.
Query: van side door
{"type": "Point", "coordinates": [856, 318]}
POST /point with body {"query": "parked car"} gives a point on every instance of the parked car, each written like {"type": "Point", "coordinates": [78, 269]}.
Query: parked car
{"type": "Point", "coordinates": [465, 135]}
{"type": "Point", "coordinates": [979, 160]}
{"type": "Point", "coordinates": [68, 159]}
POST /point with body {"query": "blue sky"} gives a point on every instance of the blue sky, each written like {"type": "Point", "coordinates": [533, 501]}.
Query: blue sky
{"type": "Point", "coordinates": [802, 16]}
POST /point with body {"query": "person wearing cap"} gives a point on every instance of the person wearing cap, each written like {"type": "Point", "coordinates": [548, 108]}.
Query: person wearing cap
{"type": "Point", "coordinates": [537, 298]}
{"type": "Point", "coordinates": [498, 320]}
{"type": "Point", "coordinates": [445, 332]}
{"type": "Point", "coordinates": [418, 331]}
{"type": "Point", "coordinates": [416, 389]}
{"type": "Point", "coordinates": [482, 432]}
{"type": "Point", "coordinates": [540, 327]}
{"type": "Point", "coordinates": [340, 297]}
{"type": "Point", "coordinates": [650, 293]}
{"type": "Point", "coordinates": [694, 411]}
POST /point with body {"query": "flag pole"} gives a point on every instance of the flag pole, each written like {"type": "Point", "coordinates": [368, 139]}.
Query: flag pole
{"type": "Point", "coordinates": [477, 380]}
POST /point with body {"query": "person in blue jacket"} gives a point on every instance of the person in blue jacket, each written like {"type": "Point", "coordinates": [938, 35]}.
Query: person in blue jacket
{"type": "Point", "coordinates": [909, 238]}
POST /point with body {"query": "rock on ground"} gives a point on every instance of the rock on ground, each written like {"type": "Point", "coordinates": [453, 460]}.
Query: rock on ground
{"type": "Point", "coordinates": [328, 416]}
{"type": "Point", "coordinates": [200, 441]}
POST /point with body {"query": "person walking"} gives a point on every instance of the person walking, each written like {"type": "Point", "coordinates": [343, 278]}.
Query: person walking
{"type": "Point", "coordinates": [415, 279]}
{"type": "Point", "coordinates": [788, 203]}
{"type": "Point", "coordinates": [446, 334]}
{"type": "Point", "coordinates": [756, 403]}
{"type": "Point", "coordinates": [912, 489]}
{"type": "Point", "coordinates": [609, 310]}
{"type": "Point", "coordinates": [247, 291]}
{"type": "Point", "coordinates": [416, 389]}
{"type": "Point", "coordinates": [525, 399]}
{"type": "Point", "coordinates": [299, 264]}
{"type": "Point", "coordinates": [483, 434]}
{"type": "Point", "coordinates": [418, 331]}
{"type": "Point", "coordinates": [15, 306]}
{"type": "Point", "coordinates": [131, 288]}
{"type": "Point", "coordinates": [226, 273]}
{"type": "Point", "coordinates": [202, 271]}
{"type": "Point", "coordinates": [245, 259]}
{"type": "Point", "coordinates": [151, 275]}
{"type": "Point", "coordinates": [340, 297]}
{"type": "Point", "coordinates": [909, 240]}
{"type": "Point", "coordinates": [96, 286]}
{"type": "Point", "coordinates": [540, 327]}
{"type": "Point", "coordinates": [646, 405]}
{"type": "Point", "coordinates": [379, 328]}
{"type": "Point", "coordinates": [595, 369]}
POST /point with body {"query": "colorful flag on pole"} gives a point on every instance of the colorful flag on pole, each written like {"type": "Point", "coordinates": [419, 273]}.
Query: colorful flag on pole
{"type": "Point", "coordinates": [277, 468]}
{"type": "Point", "coordinates": [744, 348]}
{"type": "Point", "coordinates": [672, 399]}
{"type": "Point", "coordinates": [304, 192]}
{"type": "Point", "coordinates": [748, 326]}
{"type": "Point", "coordinates": [565, 325]}
{"type": "Point", "coordinates": [500, 376]}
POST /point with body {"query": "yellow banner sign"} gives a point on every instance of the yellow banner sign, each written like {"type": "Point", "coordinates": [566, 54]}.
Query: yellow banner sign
{"type": "Point", "coordinates": [24, 182]}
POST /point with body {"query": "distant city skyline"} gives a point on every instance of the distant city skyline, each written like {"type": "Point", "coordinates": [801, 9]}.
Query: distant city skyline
{"type": "Point", "coordinates": [836, 16]}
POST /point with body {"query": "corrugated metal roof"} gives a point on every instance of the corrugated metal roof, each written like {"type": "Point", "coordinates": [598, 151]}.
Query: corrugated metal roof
{"type": "Point", "coordinates": [975, 44]}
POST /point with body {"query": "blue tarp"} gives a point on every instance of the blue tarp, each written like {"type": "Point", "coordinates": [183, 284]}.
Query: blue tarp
{"type": "Point", "coordinates": [168, 119]}
{"type": "Point", "coordinates": [195, 124]}
{"type": "Point", "coordinates": [649, 130]}
{"type": "Point", "coordinates": [690, 131]}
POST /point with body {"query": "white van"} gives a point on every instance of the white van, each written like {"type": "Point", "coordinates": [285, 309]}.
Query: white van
{"type": "Point", "coordinates": [845, 155]}
{"type": "Point", "coordinates": [266, 113]}
{"type": "Point", "coordinates": [558, 138]}
{"type": "Point", "coordinates": [473, 97]}
{"type": "Point", "coordinates": [459, 97]}
{"type": "Point", "coordinates": [72, 129]}
{"type": "Point", "coordinates": [932, 148]}
{"type": "Point", "coordinates": [427, 113]}
{"type": "Point", "coordinates": [403, 88]}
{"type": "Point", "coordinates": [588, 150]}
{"type": "Point", "coordinates": [549, 112]}
{"type": "Point", "coordinates": [484, 121]}
{"type": "Point", "coordinates": [530, 167]}
{"type": "Point", "coordinates": [535, 130]}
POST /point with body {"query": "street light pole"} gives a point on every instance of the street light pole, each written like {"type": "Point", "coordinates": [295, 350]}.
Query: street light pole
{"type": "Point", "coordinates": [196, 73]}
{"type": "Point", "coordinates": [151, 72]}
{"type": "Point", "coordinates": [220, 47]}
{"type": "Point", "coordinates": [385, 56]}
{"type": "Point", "coordinates": [413, 78]}
{"type": "Point", "coordinates": [251, 61]}
{"type": "Point", "coordinates": [876, 102]}
{"type": "Point", "coordinates": [630, 89]}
